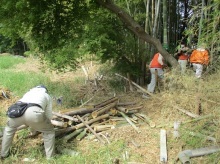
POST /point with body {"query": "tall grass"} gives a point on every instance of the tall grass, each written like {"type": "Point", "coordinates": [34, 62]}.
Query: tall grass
{"type": "Point", "coordinates": [7, 62]}
{"type": "Point", "coordinates": [19, 82]}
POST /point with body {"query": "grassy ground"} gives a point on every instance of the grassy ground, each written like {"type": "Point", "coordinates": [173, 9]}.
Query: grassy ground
{"type": "Point", "coordinates": [126, 145]}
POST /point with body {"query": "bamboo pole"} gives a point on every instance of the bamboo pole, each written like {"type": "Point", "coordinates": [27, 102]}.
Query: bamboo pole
{"type": "Point", "coordinates": [129, 121]}
{"type": "Point", "coordinates": [71, 135]}
{"type": "Point", "coordinates": [65, 116]}
{"type": "Point", "coordinates": [135, 108]}
{"type": "Point", "coordinates": [85, 123]}
{"type": "Point", "coordinates": [81, 125]}
{"type": "Point", "coordinates": [106, 102]}
{"type": "Point", "coordinates": [103, 110]}
{"type": "Point", "coordinates": [81, 135]}
{"type": "Point", "coordinates": [59, 123]}
{"type": "Point", "coordinates": [146, 119]}
{"type": "Point", "coordinates": [113, 112]}
{"type": "Point", "coordinates": [80, 111]}
{"type": "Point", "coordinates": [125, 103]}
{"type": "Point", "coordinates": [100, 128]}
{"type": "Point", "coordinates": [121, 109]}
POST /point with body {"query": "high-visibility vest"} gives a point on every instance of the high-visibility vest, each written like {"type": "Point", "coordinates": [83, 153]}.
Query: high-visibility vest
{"type": "Point", "coordinates": [183, 56]}
{"type": "Point", "coordinates": [154, 62]}
{"type": "Point", "coordinates": [200, 56]}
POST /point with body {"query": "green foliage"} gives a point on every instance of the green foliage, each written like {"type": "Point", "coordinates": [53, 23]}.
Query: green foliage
{"type": "Point", "coordinates": [4, 44]}
{"type": "Point", "coordinates": [210, 33]}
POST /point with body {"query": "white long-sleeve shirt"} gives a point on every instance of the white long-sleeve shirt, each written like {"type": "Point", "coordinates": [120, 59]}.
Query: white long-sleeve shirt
{"type": "Point", "coordinates": [40, 97]}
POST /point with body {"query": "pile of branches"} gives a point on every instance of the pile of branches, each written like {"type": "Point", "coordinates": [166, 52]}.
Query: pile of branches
{"type": "Point", "coordinates": [103, 116]}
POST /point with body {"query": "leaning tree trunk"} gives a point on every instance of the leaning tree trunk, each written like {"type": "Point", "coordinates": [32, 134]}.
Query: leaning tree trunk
{"type": "Point", "coordinates": [132, 25]}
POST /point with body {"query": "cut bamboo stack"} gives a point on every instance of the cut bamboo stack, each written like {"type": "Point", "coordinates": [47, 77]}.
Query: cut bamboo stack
{"type": "Point", "coordinates": [103, 116]}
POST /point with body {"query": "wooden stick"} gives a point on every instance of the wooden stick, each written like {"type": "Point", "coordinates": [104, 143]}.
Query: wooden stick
{"type": "Point", "coordinates": [90, 129]}
{"type": "Point", "coordinates": [198, 109]}
{"type": "Point", "coordinates": [187, 112]}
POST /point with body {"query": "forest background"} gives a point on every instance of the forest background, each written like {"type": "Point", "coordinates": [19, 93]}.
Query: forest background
{"type": "Point", "coordinates": [64, 34]}
{"type": "Point", "coordinates": [126, 33]}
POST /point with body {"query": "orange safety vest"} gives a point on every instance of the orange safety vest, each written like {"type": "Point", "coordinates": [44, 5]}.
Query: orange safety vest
{"type": "Point", "coordinates": [183, 56]}
{"type": "Point", "coordinates": [154, 62]}
{"type": "Point", "coordinates": [201, 57]}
